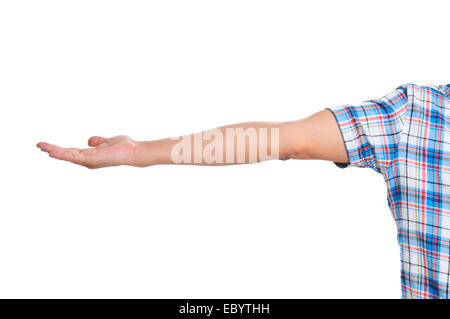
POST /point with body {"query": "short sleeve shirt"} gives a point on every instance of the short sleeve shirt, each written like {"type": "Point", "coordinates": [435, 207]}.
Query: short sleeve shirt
{"type": "Point", "coordinates": [405, 137]}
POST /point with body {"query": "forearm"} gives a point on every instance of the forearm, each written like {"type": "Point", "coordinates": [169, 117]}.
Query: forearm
{"type": "Point", "coordinates": [227, 145]}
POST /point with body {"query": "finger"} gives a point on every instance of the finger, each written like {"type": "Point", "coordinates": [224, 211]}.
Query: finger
{"type": "Point", "coordinates": [74, 155]}
{"type": "Point", "coordinates": [68, 154]}
{"type": "Point", "coordinates": [46, 147]}
{"type": "Point", "coordinates": [96, 140]}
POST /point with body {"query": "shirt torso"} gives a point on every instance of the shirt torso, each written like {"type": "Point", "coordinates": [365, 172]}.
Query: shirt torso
{"type": "Point", "coordinates": [405, 136]}
{"type": "Point", "coordinates": [418, 182]}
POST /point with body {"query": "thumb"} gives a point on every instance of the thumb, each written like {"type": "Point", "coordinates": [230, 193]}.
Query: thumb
{"type": "Point", "coordinates": [96, 140]}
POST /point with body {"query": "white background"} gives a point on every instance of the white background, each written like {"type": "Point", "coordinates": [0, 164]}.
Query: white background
{"type": "Point", "coordinates": [293, 229]}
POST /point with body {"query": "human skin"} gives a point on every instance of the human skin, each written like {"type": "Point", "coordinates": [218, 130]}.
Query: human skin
{"type": "Point", "coordinates": [314, 137]}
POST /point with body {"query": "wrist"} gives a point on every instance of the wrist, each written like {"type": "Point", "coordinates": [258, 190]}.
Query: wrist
{"type": "Point", "coordinates": [149, 153]}
{"type": "Point", "coordinates": [141, 155]}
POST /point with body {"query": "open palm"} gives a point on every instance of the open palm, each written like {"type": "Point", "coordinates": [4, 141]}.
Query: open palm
{"type": "Point", "coordinates": [104, 152]}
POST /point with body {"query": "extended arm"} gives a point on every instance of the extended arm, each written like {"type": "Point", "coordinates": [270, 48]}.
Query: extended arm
{"type": "Point", "coordinates": [315, 137]}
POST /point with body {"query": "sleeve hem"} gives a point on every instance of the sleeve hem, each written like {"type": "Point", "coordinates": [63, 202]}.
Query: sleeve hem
{"type": "Point", "coordinates": [338, 164]}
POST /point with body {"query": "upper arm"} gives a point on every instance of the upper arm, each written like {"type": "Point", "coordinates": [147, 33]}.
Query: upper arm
{"type": "Point", "coordinates": [314, 137]}
{"type": "Point", "coordinates": [364, 135]}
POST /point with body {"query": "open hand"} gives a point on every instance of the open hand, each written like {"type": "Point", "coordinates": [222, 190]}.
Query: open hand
{"type": "Point", "coordinates": [118, 150]}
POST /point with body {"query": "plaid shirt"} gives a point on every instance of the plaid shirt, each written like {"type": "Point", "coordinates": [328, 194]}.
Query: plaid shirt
{"type": "Point", "coordinates": [405, 136]}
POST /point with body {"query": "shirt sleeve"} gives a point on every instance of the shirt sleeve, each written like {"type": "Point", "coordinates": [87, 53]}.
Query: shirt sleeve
{"type": "Point", "coordinates": [371, 130]}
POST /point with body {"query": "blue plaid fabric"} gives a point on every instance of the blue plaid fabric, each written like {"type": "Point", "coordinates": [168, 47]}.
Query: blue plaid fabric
{"type": "Point", "coordinates": [405, 136]}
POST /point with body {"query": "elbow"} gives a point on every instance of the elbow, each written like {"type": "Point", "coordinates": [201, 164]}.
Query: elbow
{"type": "Point", "coordinates": [297, 150]}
